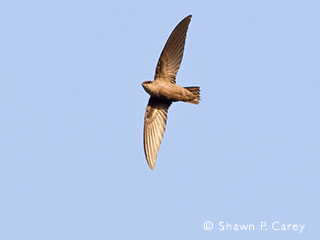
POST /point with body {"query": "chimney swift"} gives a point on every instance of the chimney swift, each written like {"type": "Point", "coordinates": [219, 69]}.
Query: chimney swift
{"type": "Point", "coordinates": [164, 90]}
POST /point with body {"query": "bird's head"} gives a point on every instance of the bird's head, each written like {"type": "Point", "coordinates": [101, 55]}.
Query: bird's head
{"type": "Point", "coordinates": [146, 85]}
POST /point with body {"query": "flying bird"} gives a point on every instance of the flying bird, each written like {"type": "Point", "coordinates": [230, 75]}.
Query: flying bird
{"type": "Point", "coordinates": [164, 90]}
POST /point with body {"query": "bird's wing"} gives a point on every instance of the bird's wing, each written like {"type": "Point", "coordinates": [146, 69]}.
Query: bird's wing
{"type": "Point", "coordinates": [171, 56]}
{"type": "Point", "coordinates": [155, 121]}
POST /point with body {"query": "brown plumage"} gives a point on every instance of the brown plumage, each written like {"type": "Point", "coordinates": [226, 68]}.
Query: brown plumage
{"type": "Point", "coordinates": [164, 90]}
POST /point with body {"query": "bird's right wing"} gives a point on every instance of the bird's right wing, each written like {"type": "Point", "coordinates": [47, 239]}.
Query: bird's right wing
{"type": "Point", "coordinates": [155, 121]}
{"type": "Point", "coordinates": [171, 56]}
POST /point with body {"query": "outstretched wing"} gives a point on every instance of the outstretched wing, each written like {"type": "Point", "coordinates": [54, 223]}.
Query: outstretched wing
{"type": "Point", "coordinates": [155, 121]}
{"type": "Point", "coordinates": [171, 56]}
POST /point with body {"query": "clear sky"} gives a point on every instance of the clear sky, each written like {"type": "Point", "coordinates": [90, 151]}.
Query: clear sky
{"type": "Point", "coordinates": [72, 164]}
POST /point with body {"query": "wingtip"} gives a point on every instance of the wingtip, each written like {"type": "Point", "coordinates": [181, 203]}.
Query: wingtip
{"type": "Point", "coordinates": [151, 166]}
{"type": "Point", "coordinates": [188, 17]}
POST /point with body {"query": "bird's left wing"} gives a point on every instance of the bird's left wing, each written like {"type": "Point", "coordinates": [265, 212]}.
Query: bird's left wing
{"type": "Point", "coordinates": [155, 121]}
{"type": "Point", "coordinates": [171, 56]}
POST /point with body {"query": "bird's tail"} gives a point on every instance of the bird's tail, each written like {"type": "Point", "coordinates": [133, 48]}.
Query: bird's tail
{"type": "Point", "coordinates": [196, 93]}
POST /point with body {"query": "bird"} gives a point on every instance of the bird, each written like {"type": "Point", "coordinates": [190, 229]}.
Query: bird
{"type": "Point", "coordinates": [164, 91]}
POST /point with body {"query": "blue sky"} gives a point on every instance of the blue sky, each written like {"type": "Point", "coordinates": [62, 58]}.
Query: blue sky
{"type": "Point", "coordinates": [72, 164]}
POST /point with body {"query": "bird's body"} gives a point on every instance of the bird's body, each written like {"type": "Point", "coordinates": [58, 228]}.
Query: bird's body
{"type": "Point", "coordinates": [168, 91]}
{"type": "Point", "coordinates": [164, 90]}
